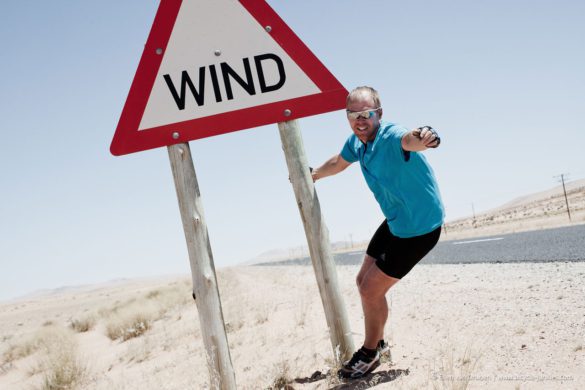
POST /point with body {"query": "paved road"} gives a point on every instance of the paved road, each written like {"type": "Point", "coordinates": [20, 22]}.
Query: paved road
{"type": "Point", "coordinates": [560, 244]}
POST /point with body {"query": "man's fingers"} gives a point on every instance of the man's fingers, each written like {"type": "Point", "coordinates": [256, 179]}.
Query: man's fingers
{"type": "Point", "coordinates": [428, 136]}
{"type": "Point", "coordinates": [436, 142]}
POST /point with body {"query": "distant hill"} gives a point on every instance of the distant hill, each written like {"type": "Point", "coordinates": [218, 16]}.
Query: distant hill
{"type": "Point", "coordinates": [555, 192]}
{"type": "Point", "coordinates": [545, 209]}
{"type": "Point", "coordinates": [298, 252]}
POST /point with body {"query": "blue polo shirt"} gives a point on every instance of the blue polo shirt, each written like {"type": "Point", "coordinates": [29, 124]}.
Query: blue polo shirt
{"type": "Point", "coordinates": [405, 188]}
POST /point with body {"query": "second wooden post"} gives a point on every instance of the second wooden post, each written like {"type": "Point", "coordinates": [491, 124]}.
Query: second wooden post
{"type": "Point", "coordinates": [317, 238]}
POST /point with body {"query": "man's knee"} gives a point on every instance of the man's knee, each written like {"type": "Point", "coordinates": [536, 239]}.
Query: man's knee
{"type": "Point", "coordinates": [368, 262]}
{"type": "Point", "coordinates": [374, 288]}
{"type": "Point", "coordinates": [370, 292]}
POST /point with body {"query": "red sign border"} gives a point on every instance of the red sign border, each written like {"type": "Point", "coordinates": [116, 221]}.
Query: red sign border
{"type": "Point", "coordinates": [128, 139]}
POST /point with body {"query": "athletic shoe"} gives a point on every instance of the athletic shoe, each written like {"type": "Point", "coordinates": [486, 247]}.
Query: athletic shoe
{"type": "Point", "coordinates": [359, 365]}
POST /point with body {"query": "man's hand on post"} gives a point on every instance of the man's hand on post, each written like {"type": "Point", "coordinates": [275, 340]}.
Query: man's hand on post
{"type": "Point", "coordinates": [310, 171]}
{"type": "Point", "coordinates": [313, 174]}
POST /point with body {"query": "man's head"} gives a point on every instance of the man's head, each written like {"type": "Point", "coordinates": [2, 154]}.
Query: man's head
{"type": "Point", "coordinates": [364, 112]}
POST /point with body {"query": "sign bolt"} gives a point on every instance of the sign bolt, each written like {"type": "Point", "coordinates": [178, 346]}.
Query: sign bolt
{"type": "Point", "coordinates": [175, 135]}
{"type": "Point", "coordinates": [158, 51]}
{"type": "Point", "coordinates": [268, 28]}
{"type": "Point", "coordinates": [287, 112]}
{"type": "Point", "coordinates": [217, 53]}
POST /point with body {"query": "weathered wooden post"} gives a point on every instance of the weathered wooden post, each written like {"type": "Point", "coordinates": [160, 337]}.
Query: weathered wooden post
{"type": "Point", "coordinates": [203, 275]}
{"type": "Point", "coordinates": [317, 238]}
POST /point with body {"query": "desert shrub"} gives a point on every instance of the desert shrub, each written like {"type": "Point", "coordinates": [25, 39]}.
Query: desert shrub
{"type": "Point", "coordinates": [282, 377]}
{"type": "Point", "coordinates": [20, 349]}
{"type": "Point", "coordinates": [126, 320]}
{"type": "Point", "coordinates": [60, 365]}
{"type": "Point", "coordinates": [454, 371]}
{"type": "Point", "coordinates": [62, 370]}
{"type": "Point", "coordinates": [84, 324]}
{"type": "Point", "coordinates": [139, 351]}
{"type": "Point", "coordinates": [58, 362]}
{"type": "Point", "coordinates": [153, 294]}
{"type": "Point", "coordinates": [131, 322]}
{"type": "Point", "coordinates": [302, 310]}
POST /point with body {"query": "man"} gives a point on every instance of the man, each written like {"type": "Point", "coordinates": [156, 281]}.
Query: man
{"type": "Point", "coordinates": [404, 185]}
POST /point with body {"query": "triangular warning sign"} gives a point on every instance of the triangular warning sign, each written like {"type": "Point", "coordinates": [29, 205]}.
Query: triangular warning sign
{"type": "Point", "coordinates": [215, 66]}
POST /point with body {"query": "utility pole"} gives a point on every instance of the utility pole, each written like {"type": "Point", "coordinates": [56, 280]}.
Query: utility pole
{"type": "Point", "coordinates": [473, 212]}
{"type": "Point", "coordinates": [562, 176]}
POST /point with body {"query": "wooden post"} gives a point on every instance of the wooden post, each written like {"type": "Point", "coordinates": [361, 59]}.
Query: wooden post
{"type": "Point", "coordinates": [318, 239]}
{"type": "Point", "coordinates": [205, 288]}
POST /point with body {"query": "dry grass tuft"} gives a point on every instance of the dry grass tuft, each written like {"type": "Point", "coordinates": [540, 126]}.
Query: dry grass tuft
{"type": "Point", "coordinates": [126, 320]}
{"type": "Point", "coordinates": [21, 349]}
{"type": "Point", "coordinates": [153, 294]}
{"type": "Point", "coordinates": [263, 313]}
{"type": "Point", "coordinates": [335, 363]}
{"type": "Point", "coordinates": [60, 365]}
{"type": "Point", "coordinates": [129, 324]}
{"type": "Point", "coordinates": [57, 362]}
{"type": "Point", "coordinates": [140, 351]}
{"type": "Point", "coordinates": [63, 370]}
{"type": "Point", "coordinates": [234, 326]}
{"type": "Point", "coordinates": [282, 379]}
{"type": "Point", "coordinates": [302, 310]}
{"type": "Point", "coordinates": [83, 324]}
{"type": "Point", "coordinates": [386, 357]}
{"type": "Point", "coordinates": [451, 372]}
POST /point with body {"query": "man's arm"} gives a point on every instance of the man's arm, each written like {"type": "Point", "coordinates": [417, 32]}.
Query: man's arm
{"type": "Point", "coordinates": [332, 166]}
{"type": "Point", "coordinates": [420, 139]}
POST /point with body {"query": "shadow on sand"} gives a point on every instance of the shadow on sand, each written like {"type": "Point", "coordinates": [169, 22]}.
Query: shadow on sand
{"type": "Point", "coordinates": [370, 380]}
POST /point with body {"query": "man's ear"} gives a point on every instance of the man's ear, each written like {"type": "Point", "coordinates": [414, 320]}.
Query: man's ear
{"type": "Point", "coordinates": [380, 112]}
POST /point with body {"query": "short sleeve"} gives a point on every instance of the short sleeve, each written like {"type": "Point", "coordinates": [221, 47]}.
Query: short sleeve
{"type": "Point", "coordinates": [348, 152]}
{"type": "Point", "coordinates": [396, 134]}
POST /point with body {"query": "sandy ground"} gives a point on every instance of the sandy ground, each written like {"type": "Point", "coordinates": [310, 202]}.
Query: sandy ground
{"type": "Point", "coordinates": [494, 326]}
{"type": "Point", "coordinates": [480, 326]}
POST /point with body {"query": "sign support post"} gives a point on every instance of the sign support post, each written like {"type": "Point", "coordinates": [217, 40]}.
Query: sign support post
{"type": "Point", "coordinates": [205, 289]}
{"type": "Point", "coordinates": [318, 240]}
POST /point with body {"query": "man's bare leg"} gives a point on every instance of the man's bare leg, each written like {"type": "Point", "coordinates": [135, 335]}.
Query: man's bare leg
{"type": "Point", "coordinates": [366, 264]}
{"type": "Point", "coordinates": [373, 284]}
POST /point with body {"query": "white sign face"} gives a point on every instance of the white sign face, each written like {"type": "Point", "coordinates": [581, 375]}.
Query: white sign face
{"type": "Point", "coordinates": [211, 67]}
{"type": "Point", "coordinates": [217, 64]}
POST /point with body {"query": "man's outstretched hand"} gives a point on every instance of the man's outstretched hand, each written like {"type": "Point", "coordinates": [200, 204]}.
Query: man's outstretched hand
{"type": "Point", "coordinates": [429, 136]}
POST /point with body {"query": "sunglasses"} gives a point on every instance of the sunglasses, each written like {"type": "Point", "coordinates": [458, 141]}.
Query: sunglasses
{"type": "Point", "coordinates": [367, 114]}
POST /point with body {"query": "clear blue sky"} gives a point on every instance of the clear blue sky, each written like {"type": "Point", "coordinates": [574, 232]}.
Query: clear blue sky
{"type": "Point", "coordinates": [502, 81]}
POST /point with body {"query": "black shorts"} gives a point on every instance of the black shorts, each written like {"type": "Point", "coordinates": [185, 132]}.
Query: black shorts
{"type": "Point", "coordinates": [396, 256]}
